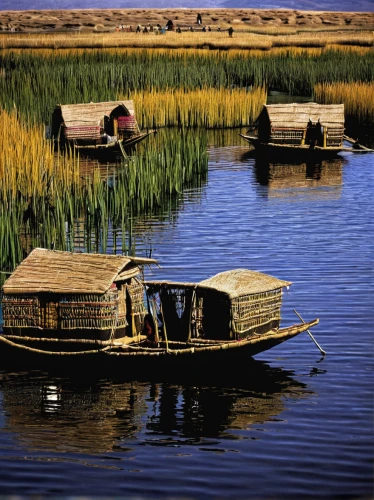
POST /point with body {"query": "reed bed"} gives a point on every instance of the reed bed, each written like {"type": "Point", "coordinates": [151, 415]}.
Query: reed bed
{"type": "Point", "coordinates": [45, 201]}
{"type": "Point", "coordinates": [206, 108]}
{"type": "Point", "coordinates": [253, 38]}
{"type": "Point", "coordinates": [358, 98]}
{"type": "Point", "coordinates": [38, 80]}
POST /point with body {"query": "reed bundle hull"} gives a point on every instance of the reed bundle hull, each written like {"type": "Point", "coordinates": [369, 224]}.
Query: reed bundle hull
{"type": "Point", "coordinates": [294, 152]}
{"type": "Point", "coordinates": [128, 357]}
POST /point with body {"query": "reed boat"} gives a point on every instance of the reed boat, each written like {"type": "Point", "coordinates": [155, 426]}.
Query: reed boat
{"type": "Point", "coordinates": [307, 130]}
{"type": "Point", "coordinates": [76, 307]}
{"type": "Point", "coordinates": [97, 126]}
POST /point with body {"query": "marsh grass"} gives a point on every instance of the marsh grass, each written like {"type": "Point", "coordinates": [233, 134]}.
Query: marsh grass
{"type": "Point", "coordinates": [44, 197]}
{"type": "Point", "coordinates": [245, 38]}
{"type": "Point", "coordinates": [358, 98]}
{"type": "Point", "coordinates": [206, 108]}
{"type": "Point", "coordinates": [37, 80]}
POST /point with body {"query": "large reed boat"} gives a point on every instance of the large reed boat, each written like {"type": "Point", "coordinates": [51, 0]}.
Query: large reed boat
{"type": "Point", "coordinates": [77, 307]}
{"type": "Point", "coordinates": [307, 130]}
{"type": "Point", "coordinates": [97, 126]}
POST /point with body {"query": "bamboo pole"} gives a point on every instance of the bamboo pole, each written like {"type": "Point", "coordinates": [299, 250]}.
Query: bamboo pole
{"type": "Point", "coordinates": [164, 324]}
{"type": "Point", "coordinates": [311, 336]}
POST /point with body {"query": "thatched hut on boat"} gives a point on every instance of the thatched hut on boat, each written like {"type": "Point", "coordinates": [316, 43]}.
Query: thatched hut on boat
{"type": "Point", "coordinates": [75, 295]}
{"type": "Point", "coordinates": [231, 305]}
{"type": "Point", "coordinates": [288, 123]}
{"type": "Point", "coordinates": [96, 124]}
{"type": "Point", "coordinates": [298, 126]}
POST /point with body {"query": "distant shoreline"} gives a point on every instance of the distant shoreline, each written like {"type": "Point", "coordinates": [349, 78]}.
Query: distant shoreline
{"type": "Point", "coordinates": [107, 20]}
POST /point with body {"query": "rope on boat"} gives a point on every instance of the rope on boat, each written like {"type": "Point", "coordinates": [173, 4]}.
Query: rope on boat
{"type": "Point", "coordinates": [54, 353]}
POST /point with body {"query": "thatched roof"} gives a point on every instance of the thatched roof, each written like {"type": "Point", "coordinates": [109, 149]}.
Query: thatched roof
{"type": "Point", "coordinates": [53, 271]}
{"type": "Point", "coordinates": [234, 283]}
{"type": "Point", "coordinates": [240, 282]}
{"type": "Point", "coordinates": [297, 115]}
{"type": "Point", "coordinates": [92, 113]}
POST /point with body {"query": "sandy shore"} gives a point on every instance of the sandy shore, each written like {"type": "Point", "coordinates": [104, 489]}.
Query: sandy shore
{"type": "Point", "coordinates": [109, 19]}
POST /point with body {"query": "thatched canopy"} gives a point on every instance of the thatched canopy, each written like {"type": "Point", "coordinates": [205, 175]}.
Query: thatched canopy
{"type": "Point", "coordinates": [52, 271]}
{"type": "Point", "coordinates": [235, 283]}
{"type": "Point", "coordinates": [91, 114]}
{"type": "Point", "coordinates": [296, 116]}
{"type": "Point", "coordinates": [239, 282]}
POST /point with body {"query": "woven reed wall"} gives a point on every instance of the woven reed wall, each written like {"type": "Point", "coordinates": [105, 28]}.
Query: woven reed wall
{"type": "Point", "coordinates": [92, 311]}
{"type": "Point", "coordinates": [65, 312]}
{"type": "Point", "coordinates": [252, 311]}
{"type": "Point", "coordinates": [334, 137]}
{"type": "Point", "coordinates": [284, 136]}
{"type": "Point", "coordinates": [249, 312]}
{"type": "Point", "coordinates": [82, 132]}
{"type": "Point", "coordinates": [135, 290]}
{"type": "Point", "coordinates": [21, 312]}
{"type": "Point", "coordinates": [127, 124]}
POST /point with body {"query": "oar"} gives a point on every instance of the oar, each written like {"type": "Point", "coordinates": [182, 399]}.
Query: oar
{"type": "Point", "coordinates": [311, 336]}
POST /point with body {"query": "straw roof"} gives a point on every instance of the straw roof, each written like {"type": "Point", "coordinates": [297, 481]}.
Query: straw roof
{"type": "Point", "coordinates": [297, 115]}
{"type": "Point", "coordinates": [240, 282]}
{"type": "Point", "coordinates": [92, 113]}
{"type": "Point", "coordinates": [52, 271]}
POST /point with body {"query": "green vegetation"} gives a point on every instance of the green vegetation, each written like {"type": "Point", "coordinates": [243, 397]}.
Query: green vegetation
{"type": "Point", "coordinates": [38, 80]}
{"type": "Point", "coordinates": [45, 201]}
{"type": "Point", "coordinates": [46, 198]}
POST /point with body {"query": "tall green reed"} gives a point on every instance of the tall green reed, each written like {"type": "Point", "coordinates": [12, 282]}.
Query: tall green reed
{"type": "Point", "coordinates": [37, 81]}
{"type": "Point", "coordinates": [46, 201]}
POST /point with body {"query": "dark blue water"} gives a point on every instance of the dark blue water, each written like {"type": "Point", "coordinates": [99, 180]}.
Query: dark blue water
{"type": "Point", "coordinates": [289, 425]}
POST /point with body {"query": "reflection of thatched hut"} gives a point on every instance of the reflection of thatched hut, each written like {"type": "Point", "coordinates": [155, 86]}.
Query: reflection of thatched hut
{"type": "Point", "coordinates": [288, 123]}
{"type": "Point", "coordinates": [96, 123]}
{"type": "Point", "coordinates": [74, 295]}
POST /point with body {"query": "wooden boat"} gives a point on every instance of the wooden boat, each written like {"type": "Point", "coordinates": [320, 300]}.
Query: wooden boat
{"type": "Point", "coordinates": [91, 307]}
{"type": "Point", "coordinates": [99, 126]}
{"type": "Point", "coordinates": [307, 130]}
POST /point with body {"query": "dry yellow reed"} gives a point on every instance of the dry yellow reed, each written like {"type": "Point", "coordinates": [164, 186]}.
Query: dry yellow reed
{"type": "Point", "coordinates": [208, 108]}
{"type": "Point", "coordinates": [28, 163]}
{"type": "Point", "coordinates": [243, 38]}
{"type": "Point", "coordinates": [358, 97]}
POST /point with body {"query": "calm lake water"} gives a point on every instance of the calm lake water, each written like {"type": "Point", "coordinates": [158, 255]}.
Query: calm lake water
{"type": "Point", "coordinates": [289, 424]}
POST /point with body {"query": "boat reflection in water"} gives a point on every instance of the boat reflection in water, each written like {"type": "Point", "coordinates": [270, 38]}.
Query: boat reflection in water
{"type": "Point", "coordinates": [288, 178]}
{"type": "Point", "coordinates": [112, 415]}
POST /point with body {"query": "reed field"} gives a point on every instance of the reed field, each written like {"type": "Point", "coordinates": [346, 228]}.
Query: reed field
{"type": "Point", "coordinates": [44, 198]}
{"type": "Point", "coordinates": [243, 38]}
{"type": "Point", "coordinates": [205, 108]}
{"type": "Point", "coordinates": [37, 80]}
{"type": "Point", "coordinates": [358, 98]}
{"type": "Point", "coordinates": [48, 198]}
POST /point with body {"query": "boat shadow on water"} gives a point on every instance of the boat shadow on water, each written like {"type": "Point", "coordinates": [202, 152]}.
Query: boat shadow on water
{"type": "Point", "coordinates": [165, 410]}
